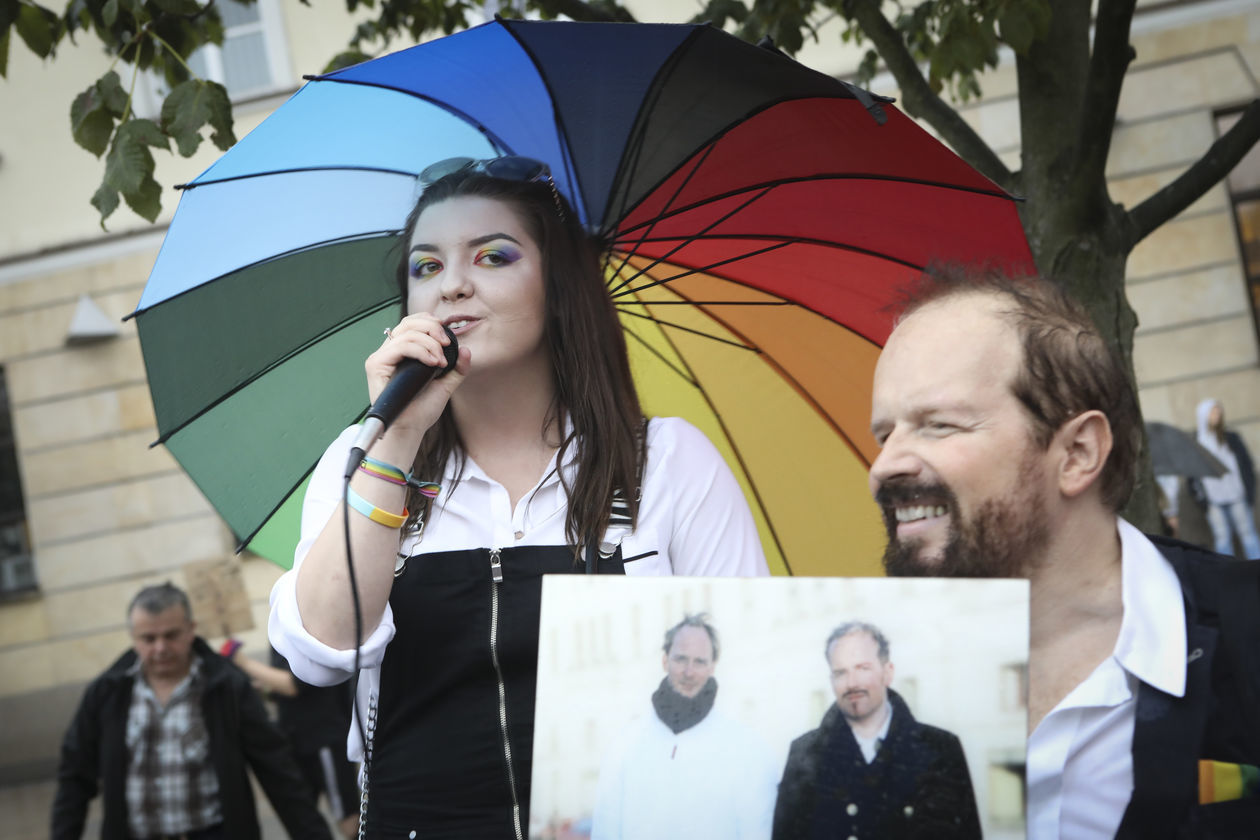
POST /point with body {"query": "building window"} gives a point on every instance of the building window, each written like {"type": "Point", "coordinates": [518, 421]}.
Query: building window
{"type": "Point", "coordinates": [17, 570]}
{"type": "Point", "coordinates": [1007, 796]}
{"type": "Point", "coordinates": [1244, 192]}
{"type": "Point", "coordinates": [1014, 687]}
{"type": "Point", "coordinates": [252, 61]}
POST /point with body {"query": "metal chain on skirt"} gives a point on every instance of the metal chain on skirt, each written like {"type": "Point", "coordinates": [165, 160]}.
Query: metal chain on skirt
{"type": "Point", "coordinates": [369, 737]}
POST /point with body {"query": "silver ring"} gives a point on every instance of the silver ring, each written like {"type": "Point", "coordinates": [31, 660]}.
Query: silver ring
{"type": "Point", "coordinates": [388, 334]}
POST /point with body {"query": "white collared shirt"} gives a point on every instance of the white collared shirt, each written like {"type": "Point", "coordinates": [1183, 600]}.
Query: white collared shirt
{"type": "Point", "coordinates": [693, 520]}
{"type": "Point", "coordinates": [1080, 758]}
{"type": "Point", "coordinates": [870, 746]}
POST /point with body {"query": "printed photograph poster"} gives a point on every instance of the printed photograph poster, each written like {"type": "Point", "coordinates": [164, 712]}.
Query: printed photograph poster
{"type": "Point", "coordinates": [777, 729]}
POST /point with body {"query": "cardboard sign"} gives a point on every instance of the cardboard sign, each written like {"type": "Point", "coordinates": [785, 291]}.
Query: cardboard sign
{"type": "Point", "coordinates": [219, 603]}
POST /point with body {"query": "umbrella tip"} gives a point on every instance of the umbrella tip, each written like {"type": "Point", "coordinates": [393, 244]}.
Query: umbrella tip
{"type": "Point", "coordinates": [767, 43]}
{"type": "Point", "coordinates": [869, 101]}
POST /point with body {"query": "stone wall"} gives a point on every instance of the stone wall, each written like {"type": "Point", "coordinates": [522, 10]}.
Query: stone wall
{"type": "Point", "coordinates": [107, 514]}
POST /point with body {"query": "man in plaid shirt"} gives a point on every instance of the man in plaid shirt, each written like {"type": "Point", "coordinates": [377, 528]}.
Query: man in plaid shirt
{"type": "Point", "coordinates": [168, 731]}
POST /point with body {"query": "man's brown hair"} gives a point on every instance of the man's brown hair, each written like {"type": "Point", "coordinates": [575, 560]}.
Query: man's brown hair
{"type": "Point", "coordinates": [1068, 367]}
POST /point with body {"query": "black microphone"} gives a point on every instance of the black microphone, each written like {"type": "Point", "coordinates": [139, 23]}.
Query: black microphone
{"type": "Point", "coordinates": [409, 377]}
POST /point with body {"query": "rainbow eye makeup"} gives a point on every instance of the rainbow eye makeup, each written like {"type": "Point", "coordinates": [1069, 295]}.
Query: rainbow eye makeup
{"type": "Point", "coordinates": [496, 256]}
{"type": "Point", "coordinates": [422, 267]}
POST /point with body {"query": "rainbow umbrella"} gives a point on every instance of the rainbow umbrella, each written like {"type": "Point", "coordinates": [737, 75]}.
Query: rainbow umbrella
{"type": "Point", "coordinates": [758, 216]}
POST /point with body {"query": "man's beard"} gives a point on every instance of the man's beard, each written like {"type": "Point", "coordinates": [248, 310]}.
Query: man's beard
{"type": "Point", "coordinates": [1002, 539]}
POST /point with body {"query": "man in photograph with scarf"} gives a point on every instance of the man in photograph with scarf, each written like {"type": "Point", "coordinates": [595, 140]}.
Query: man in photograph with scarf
{"type": "Point", "coordinates": [685, 769]}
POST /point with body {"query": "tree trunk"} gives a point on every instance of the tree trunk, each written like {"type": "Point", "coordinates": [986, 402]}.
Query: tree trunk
{"type": "Point", "coordinates": [1090, 264]}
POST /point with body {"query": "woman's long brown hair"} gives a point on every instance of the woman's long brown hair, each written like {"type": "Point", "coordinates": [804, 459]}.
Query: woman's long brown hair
{"type": "Point", "coordinates": [591, 369]}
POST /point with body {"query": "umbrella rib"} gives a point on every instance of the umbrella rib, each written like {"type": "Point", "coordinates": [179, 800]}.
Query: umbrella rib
{"type": "Point", "coordinates": [691, 378]}
{"type": "Point", "coordinates": [231, 392]}
{"type": "Point", "coordinates": [770, 360]}
{"type": "Point", "coordinates": [243, 543]}
{"type": "Point", "coordinates": [657, 353]}
{"type": "Point", "coordinates": [785, 241]}
{"type": "Point", "coordinates": [668, 203]}
{"type": "Point", "coordinates": [579, 200]}
{"type": "Point", "coordinates": [445, 106]}
{"type": "Point", "coordinates": [767, 186]}
{"type": "Point", "coordinates": [713, 302]}
{"type": "Point", "coordinates": [664, 257]}
{"type": "Point", "coordinates": [700, 333]}
{"type": "Point", "coordinates": [635, 144]}
{"type": "Point", "coordinates": [622, 290]}
{"type": "Point", "coordinates": [358, 237]}
{"type": "Point", "coordinates": [192, 185]}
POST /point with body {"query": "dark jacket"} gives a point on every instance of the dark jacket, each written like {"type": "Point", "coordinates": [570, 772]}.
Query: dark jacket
{"type": "Point", "coordinates": [917, 786]}
{"type": "Point", "coordinates": [1246, 469]}
{"type": "Point", "coordinates": [1217, 719]}
{"type": "Point", "coordinates": [94, 755]}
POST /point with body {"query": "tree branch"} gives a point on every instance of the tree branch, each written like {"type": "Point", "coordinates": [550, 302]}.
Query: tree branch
{"type": "Point", "coordinates": [918, 97]}
{"type": "Point", "coordinates": [1198, 179]}
{"type": "Point", "coordinates": [1108, 63]}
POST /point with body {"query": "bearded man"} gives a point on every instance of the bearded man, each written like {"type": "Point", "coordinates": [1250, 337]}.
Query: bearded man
{"type": "Point", "coordinates": [685, 770]}
{"type": "Point", "coordinates": [1009, 437]}
{"type": "Point", "coordinates": [871, 769]}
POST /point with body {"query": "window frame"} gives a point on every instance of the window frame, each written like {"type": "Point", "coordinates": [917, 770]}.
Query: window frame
{"type": "Point", "coordinates": [152, 90]}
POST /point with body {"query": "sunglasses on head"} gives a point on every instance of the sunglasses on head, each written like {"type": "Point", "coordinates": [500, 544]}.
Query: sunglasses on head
{"type": "Point", "coordinates": [509, 168]}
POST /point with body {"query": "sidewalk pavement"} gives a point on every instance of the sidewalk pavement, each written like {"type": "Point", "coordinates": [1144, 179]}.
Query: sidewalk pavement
{"type": "Point", "coordinates": [26, 809]}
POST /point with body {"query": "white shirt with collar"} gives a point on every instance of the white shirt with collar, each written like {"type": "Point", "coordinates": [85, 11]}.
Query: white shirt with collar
{"type": "Point", "coordinates": [1080, 756]}
{"type": "Point", "coordinates": [693, 520]}
{"type": "Point", "coordinates": [870, 746]}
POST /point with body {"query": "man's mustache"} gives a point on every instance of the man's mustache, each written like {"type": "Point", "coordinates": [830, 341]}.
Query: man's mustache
{"type": "Point", "coordinates": [902, 491]}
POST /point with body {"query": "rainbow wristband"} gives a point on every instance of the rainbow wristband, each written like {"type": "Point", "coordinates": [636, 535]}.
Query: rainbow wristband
{"type": "Point", "coordinates": [390, 473]}
{"type": "Point", "coordinates": [383, 471]}
{"type": "Point", "coordinates": [371, 511]}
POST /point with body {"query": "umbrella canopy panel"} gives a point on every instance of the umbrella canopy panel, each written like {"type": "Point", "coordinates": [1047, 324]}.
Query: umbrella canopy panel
{"type": "Point", "coordinates": [612, 107]}
{"type": "Point", "coordinates": [1176, 452]}
{"type": "Point", "coordinates": [785, 395]}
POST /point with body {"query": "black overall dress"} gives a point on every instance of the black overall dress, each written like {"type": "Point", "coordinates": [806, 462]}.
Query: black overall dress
{"type": "Point", "coordinates": [455, 723]}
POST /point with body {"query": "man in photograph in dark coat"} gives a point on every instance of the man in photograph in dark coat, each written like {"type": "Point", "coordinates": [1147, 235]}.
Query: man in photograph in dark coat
{"type": "Point", "coordinates": [871, 770]}
{"type": "Point", "coordinates": [167, 733]}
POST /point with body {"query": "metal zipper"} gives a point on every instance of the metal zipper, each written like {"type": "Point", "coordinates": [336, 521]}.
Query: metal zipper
{"type": "Point", "coordinates": [496, 577]}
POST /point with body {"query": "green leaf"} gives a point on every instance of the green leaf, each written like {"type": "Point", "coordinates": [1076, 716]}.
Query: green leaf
{"type": "Point", "coordinates": [1022, 23]}
{"type": "Point", "coordinates": [136, 9]}
{"type": "Point", "coordinates": [75, 17]}
{"type": "Point", "coordinates": [145, 200]}
{"type": "Point", "coordinates": [4, 54]}
{"type": "Point", "coordinates": [348, 58]}
{"type": "Point", "coordinates": [129, 163]}
{"type": "Point", "coordinates": [39, 28]}
{"type": "Point", "coordinates": [93, 112]}
{"type": "Point", "coordinates": [221, 117]}
{"type": "Point", "coordinates": [106, 201]}
{"type": "Point", "coordinates": [91, 124]}
{"type": "Point", "coordinates": [719, 12]}
{"type": "Point", "coordinates": [1016, 29]}
{"type": "Point", "coordinates": [111, 93]}
{"type": "Point", "coordinates": [180, 7]}
{"type": "Point", "coordinates": [193, 104]}
{"type": "Point", "coordinates": [109, 13]}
